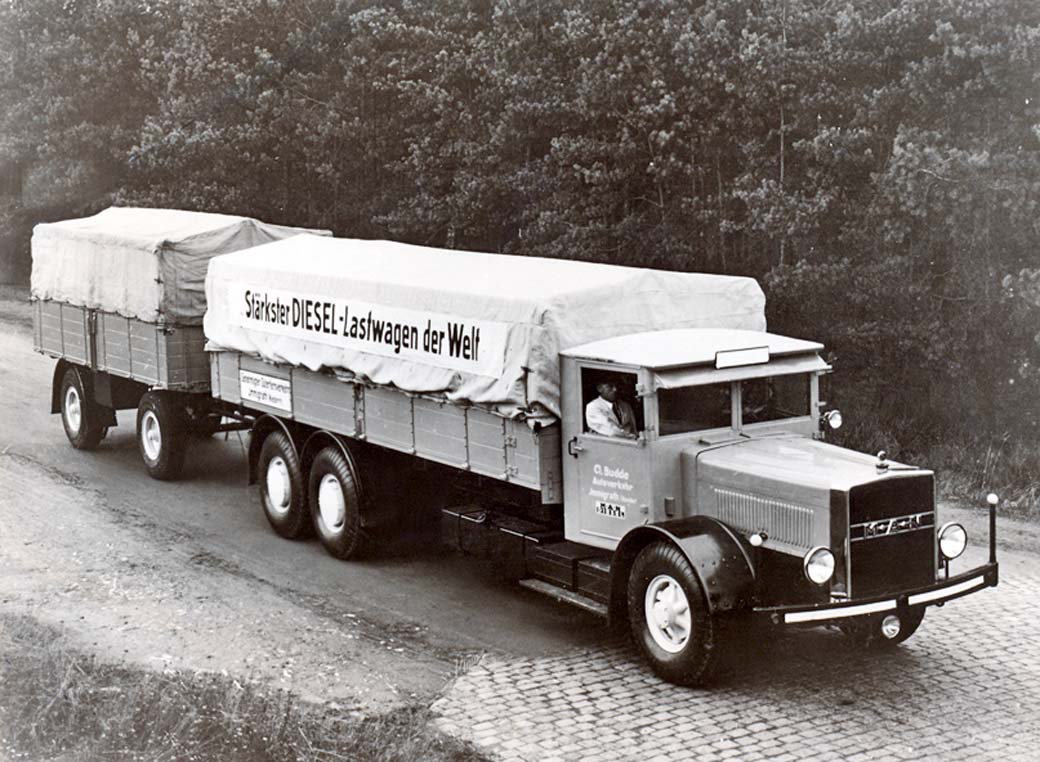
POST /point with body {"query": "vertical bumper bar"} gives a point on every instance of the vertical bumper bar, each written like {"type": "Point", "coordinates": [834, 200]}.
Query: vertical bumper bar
{"type": "Point", "coordinates": [992, 500]}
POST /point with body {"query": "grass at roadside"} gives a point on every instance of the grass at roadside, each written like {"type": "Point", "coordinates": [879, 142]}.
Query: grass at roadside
{"type": "Point", "coordinates": [14, 305]}
{"type": "Point", "coordinates": [58, 703]}
{"type": "Point", "coordinates": [968, 473]}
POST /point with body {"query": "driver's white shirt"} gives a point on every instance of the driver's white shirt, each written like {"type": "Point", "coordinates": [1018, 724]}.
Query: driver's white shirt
{"type": "Point", "coordinates": [599, 414]}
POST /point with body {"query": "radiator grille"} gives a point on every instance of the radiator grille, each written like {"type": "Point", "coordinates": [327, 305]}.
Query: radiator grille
{"type": "Point", "coordinates": [889, 560]}
{"type": "Point", "coordinates": [785, 523]}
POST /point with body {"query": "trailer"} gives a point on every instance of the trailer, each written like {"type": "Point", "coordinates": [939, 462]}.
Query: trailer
{"type": "Point", "coordinates": [118, 301]}
{"type": "Point", "coordinates": [628, 441]}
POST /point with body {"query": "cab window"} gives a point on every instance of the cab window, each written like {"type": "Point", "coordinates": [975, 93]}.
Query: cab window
{"type": "Point", "coordinates": [694, 408]}
{"type": "Point", "coordinates": [774, 398]}
{"type": "Point", "coordinates": [610, 405]}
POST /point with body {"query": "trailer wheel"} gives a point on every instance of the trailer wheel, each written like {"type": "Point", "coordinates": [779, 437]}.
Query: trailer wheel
{"type": "Point", "coordinates": [282, 493]}
{"type": "Point", "coordinates": [335, 500]}
{"type": "Point", "coordinates": [869, 632]}
{"type": "Point", "coordinates": [669, 617]}
{"type": "Point", "coordinates": [79, 414]}
{"type": "Point", "coordinates": [161, 434]}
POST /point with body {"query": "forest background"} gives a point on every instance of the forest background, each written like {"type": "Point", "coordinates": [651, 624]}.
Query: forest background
{"type": "Point", "coordinates": [876, 165]}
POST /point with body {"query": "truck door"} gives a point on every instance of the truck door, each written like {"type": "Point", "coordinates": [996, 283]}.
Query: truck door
{"type": "Point", "coordinates": [607, 457]}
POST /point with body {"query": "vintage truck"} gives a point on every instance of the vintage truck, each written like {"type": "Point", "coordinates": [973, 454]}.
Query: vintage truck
{"type": "Point", "coordinates": [374, 375]}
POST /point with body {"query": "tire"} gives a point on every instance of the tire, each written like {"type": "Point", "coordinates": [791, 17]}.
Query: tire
{"type": "Point", "coordinates": [662, 587]}
{"type": "Point", "coordinates": [335, 498]}
{"type": "Point", "coordinates": [80, 416]}
{"type": "Point", "coordinates": [865, 633]}
{"type": "Point", "coordinates": [282, 493]}
{"type": "Point", "coordinates": [161, 434]}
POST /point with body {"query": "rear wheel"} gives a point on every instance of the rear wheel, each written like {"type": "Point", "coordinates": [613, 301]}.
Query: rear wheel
{"type": "Point", "coordinates": [335, 499]}
{"type": "Point", "coordinates": [282, 493]}
{"type": "Point", "coordinates": [669, 617]}
{"type": "Point", "coordinates": [161, 431]}
{"type": "Point", "coordinates": [79, 414]}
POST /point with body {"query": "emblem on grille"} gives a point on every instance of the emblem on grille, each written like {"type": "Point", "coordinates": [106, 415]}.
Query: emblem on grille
{"type": "Point", "coordinates": [897, 525]}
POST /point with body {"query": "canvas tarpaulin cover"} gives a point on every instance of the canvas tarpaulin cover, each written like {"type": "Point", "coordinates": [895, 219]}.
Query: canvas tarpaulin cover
{"type": "Point", "coordinates": [485, 329]}
{"type": "Point", "coordinates": [148, 264]}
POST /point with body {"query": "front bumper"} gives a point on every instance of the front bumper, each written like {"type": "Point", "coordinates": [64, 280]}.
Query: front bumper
{"type": "Point", "coordinates": [963, 584]}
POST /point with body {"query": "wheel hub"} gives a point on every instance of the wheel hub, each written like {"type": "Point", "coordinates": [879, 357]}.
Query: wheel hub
{"type": "Point", "coordinates": [151, 435]}
{"type": "Point", "coordinates": [668, 616]}
{"type": "Point", "coordinates": [279, 487]}
{"type": "Point", "coordinates": [331, 504]}
{"type": "Point", "coordinates": [73, 409]}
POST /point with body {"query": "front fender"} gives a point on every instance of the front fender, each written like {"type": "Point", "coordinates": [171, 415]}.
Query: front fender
{"type": "Point", "coordinates": [721, 559]}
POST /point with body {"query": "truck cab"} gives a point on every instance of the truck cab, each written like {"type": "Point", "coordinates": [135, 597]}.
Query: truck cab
{"type": "Point", "coordinates": [692, 391]}
{"type": "Point", "coordinates": [720, 501]}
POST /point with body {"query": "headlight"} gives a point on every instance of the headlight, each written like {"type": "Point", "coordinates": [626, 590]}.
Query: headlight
{"type": "Point", "coordinates": [952, 540]}
{"type": "Point", "coordinates": [833, 419]}
{"type": "Point", "coordinates": [818, 565]}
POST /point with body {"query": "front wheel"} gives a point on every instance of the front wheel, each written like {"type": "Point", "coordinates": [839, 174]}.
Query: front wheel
{"type": "Point", "coordinates": [161, 434]}
{"type": "Point", "coordinates": [79, 415]}
{"type": "Point", "coordinates": [670, 620]}
{"type": "Point", "coordinates": [335, 499]}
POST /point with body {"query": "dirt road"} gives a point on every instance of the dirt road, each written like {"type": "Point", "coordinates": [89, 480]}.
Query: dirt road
{"type": "Point", "coordinates": [189, 575]}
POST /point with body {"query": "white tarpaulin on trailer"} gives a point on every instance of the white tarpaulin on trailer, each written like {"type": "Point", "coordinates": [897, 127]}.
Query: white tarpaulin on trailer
{"type": "Point", "coordinates": [480, 328]}
{"type": "Point", "coordinates": [148, 264]}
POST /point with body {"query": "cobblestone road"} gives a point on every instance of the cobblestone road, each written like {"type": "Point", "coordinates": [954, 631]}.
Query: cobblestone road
{"type": "Point", "coordinates": [965, 686]}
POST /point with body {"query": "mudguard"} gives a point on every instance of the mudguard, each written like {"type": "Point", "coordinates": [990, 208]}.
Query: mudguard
{"type": "Point", "coordinates": [721, 558]}
{"type": "Point", "coordinates": [59, 374]}
{"type": "Point", "coordinates": [264, 425]}
{"type": "Point", "coordinates": [86, 380]}
{"type": "Point", "coordinates": [372, 514]}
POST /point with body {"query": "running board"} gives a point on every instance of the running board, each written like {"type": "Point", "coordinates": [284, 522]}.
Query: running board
{"type": "Point", "coordinates": [565, 596]}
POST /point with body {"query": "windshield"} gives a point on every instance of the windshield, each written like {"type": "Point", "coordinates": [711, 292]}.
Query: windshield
{"type": "Point", "coordinates": [774, 398]}
{"type": "Point", "coordinates": [694, 408]}
{"type": "Point", "coordinates": [709, 406]}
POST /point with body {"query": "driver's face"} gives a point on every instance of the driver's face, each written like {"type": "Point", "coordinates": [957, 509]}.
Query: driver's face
{"type": "Point", "coordinates": [608, 392]}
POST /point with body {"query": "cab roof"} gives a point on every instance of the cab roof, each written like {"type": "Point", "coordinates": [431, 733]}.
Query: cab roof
{"type": "Point", "coordinates": [659, 350]}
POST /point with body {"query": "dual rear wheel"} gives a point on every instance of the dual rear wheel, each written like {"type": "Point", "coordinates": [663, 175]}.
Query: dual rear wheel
{"type": "Point", "coordinates": [327, 503]}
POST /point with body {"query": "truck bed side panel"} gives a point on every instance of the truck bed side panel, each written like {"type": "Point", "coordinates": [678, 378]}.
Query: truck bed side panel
{"type": "Point", "coordinates": [521, 450]}
{"type": "Point", "coordinates": [463, 437]}
{"type": "Point", "coordinates": [48, 327]}
{"type": "Point", "coordinates": [225, 381]}
{"type": "Point", "coordinates": [388, 419]}
{"type": "Point", "coordinates": [186, 363]}
{"type": "Point", "coordinates": [75, 341]}
{"type": "Point", "coordinates": [487, 452]}
{"type": "Point", "coordinates": [170, 357]}
{"type": "Point", "coordinates": [324, 402]}
{"type": "Point", "coordinates": [114, 345]}
{"type": "Point", "coordinates": [258, 366]}
{"type": "Point", "coordinates": [550, 467]}
{"type": "Point", "coordinates": [440, 432]}
{"type": "Point", "coordinates": [144, 350]}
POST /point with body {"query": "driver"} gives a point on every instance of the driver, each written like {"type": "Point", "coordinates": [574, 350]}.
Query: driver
{"type": "Point", "coordinates": [610, 416]}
